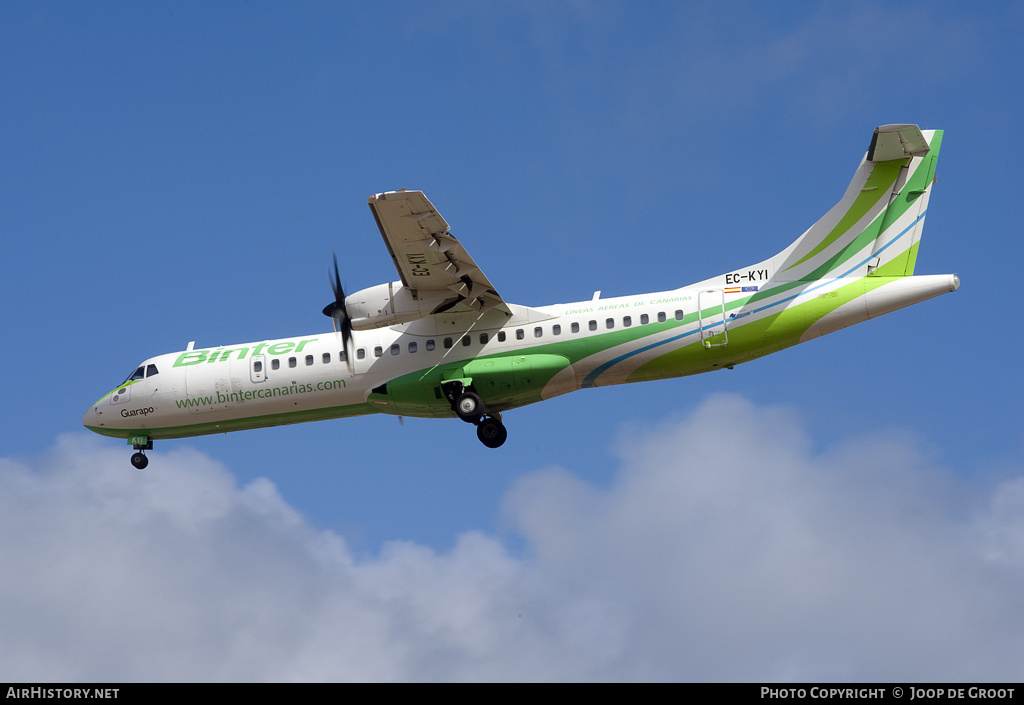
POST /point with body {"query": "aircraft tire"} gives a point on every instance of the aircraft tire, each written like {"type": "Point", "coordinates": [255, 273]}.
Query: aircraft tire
{"type": "Point", "coordinates": [491, 432]}
{"type": "Point", "coordinates": [469, 407]}
{"type": "Point", "coordinates": [139, 461]}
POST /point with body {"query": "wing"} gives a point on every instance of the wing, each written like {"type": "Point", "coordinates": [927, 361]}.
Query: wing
{"type": "Point", "coordinates": [428, 257]}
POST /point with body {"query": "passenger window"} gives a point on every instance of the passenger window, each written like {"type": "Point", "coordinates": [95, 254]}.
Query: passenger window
{"type": "Point", "coordinates": [412, 347]}
{"type": "Point", "coordinates": [661, 316]}
{"type": "Point", "coordinates": [447, 343]}
{"type": "Point", "coordinates": [151, 370]}
{"type": "Point", "coordinates": [342, 356]}
{"type": "Point", "coordinates": [361, 353]}
{"type": "Point", "coordinates": [501, 336]}
{"type": "Point", "coordinates": [520, 334]}
{"type": "Point", "coordinates": [483, 339]}
{"type": "Point", "coordinates": [378, 351]}
{"type": "Point", "coordinates": [257, 366]}
{"type": "Point", "coordinates": [327, 358]}
{"type": "Point", "coordinates": [430, 344]}
{"type": "Point", "coordinates": [644, 319]}
{"type": "Point", "coordinates": [466, 341]}
{"type": "Point", "coordinates": [538, 332]}
{"type": "Point", "coordinates": [609, 323]}
{"type": "Point", "coordinates": [592, 325]}
{"type": "Point", "coordinates": [575, 327]}
{"type": "Point", "coordinates": [275, 364]}
{"type": "Point", "coordinates": [291, 362]}
{"type": "Point", "coordinates": [396, 348]}
{"type": "Point", "coordinates": [627, 321]}
{"type": "Point", "coordinates": [556, 329]}
{"type": "Point", "coordinates": [679, 315]}
{"type": "Point", "coordinates": [309, 360]}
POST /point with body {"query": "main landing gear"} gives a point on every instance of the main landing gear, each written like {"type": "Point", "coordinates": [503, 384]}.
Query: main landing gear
{"type": "Point", "coordinates": [491, 431]}
{"type": "Point", "coordinates": [139, 459]}
{"type": "Point", "coordinates": [469, 407]}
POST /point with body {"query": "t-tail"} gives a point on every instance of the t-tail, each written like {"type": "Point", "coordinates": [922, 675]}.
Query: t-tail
{"type": "Point", "coordinates": [857, 262]}
{"type": "Point", "coordinates": [876, 228]}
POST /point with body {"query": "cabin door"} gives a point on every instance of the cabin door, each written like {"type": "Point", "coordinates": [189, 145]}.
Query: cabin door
{"type": "Point", "coordinates": [711, 317]}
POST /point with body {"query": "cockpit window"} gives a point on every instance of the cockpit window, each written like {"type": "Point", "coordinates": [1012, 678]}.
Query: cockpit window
{"type": "Point", "coordinates": [141, 372]}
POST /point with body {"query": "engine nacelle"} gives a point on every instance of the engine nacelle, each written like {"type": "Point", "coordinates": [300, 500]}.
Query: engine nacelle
{"type": "Point", "coordinates": [388, 304]}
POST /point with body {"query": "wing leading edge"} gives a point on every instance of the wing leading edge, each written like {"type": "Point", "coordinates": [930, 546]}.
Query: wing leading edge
{"type": "Point", "coordinates": [429, 259]}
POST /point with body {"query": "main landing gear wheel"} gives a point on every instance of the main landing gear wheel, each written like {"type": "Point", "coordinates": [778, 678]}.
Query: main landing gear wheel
{"type": "Point", "coordinates": [139, 460]}
{"type": "Point", "coordinates": [491, 432]}
{"type": "Point", "coordinates": [469, 407]}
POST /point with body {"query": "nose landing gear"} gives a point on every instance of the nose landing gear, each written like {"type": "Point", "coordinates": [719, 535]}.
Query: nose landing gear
{"type": "Point", "coordinates": [139, 459]}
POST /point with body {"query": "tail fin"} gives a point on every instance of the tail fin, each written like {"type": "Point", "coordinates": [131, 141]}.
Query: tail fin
{"type": "Point", "coordinates": [876, 227]}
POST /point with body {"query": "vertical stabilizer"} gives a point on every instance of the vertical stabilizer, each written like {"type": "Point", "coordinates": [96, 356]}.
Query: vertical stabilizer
{"type": "Point", "coordinates": [876, 227]}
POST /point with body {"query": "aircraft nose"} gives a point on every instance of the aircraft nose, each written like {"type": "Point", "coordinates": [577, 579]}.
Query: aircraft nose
{"type": "Point", "coordinates": [91, 418]}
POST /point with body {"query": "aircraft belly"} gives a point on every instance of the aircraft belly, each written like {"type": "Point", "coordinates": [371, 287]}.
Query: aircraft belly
{"type": "Point", "coordinates": [224, 422]}
{"type": "Point", "coordinates": [253, 411]}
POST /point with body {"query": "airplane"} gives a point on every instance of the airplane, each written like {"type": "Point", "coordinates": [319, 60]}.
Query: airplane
{"type": "Point", "coordinates": [441, 342]}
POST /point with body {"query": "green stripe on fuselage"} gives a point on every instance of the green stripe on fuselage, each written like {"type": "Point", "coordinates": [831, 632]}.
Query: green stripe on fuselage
{"type": "Point", "coordinates": [240, 424]}
{"type": "Point", "coordinates": [749, 341]}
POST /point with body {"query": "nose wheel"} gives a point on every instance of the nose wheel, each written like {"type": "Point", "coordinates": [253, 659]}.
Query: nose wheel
{"type": "Point", "coordinates": [139, 459]}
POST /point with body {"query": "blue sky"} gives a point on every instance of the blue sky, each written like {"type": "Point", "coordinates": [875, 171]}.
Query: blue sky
{"type": "Point", "coordinates": [182, 172]}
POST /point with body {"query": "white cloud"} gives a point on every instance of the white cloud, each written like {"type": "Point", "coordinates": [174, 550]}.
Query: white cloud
{"type": "Point", "coordinates": [737, 552]}
{"type": "Point", "coordinates": [727, 547]}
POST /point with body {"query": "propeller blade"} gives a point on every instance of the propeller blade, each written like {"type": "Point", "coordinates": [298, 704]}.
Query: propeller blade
{"type": "Point", "coordinates": [338, 313]}
{"type": "Point", "coordinates": [339, 293]}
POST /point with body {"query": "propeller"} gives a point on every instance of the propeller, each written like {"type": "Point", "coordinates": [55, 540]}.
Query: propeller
{"type": "Point", "coordinates": [337, 312]}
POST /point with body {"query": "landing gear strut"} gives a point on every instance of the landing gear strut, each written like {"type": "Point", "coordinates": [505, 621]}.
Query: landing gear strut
{"type": "Point", "coordinates": [469, 407]}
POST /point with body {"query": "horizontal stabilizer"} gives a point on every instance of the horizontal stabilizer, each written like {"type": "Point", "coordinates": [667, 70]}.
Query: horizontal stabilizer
{"type": "Point", "coordinates": [897, 142]}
